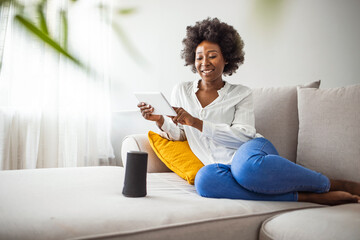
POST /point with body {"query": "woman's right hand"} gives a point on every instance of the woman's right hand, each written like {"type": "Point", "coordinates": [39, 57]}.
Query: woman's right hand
{"type": "Point", "coordinates": [147, 110]}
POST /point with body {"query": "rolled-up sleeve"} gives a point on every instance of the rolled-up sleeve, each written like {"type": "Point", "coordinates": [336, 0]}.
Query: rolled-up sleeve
{"type": "Point", "coordinates": [172, 131]}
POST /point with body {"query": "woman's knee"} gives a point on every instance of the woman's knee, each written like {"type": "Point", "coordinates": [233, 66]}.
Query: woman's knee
{"type": "Point", "coordinates": [247, 172]}
{"type": "Point", "coordinates": [208, 180]}
{"type": "Point", "coordinates": [247, 164]}
{"type": "Point", "coordinates": [203, 178]}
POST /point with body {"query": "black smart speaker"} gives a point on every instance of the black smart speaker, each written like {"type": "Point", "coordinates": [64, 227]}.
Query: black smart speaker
{"type": "Point", "coordinates": [135, 174]}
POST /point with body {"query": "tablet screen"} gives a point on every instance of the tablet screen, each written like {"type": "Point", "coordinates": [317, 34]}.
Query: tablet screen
{"type": "Point", "coordinates": [158, 101]}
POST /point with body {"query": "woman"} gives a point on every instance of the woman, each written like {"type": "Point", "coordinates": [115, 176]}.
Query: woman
{"type": "Point", "coordinates": [217, 119]}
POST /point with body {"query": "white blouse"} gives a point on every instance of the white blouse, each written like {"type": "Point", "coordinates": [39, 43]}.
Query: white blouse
{"type": "Point", "coordinates": [228, 121]}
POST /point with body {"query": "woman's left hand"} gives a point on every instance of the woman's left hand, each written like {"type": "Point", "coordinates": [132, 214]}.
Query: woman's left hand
{"type": "Point", "coordinates": [185, 118]}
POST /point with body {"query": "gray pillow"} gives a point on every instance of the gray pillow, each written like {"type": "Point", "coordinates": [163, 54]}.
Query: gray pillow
{"type": "Point", "coordinates": [276, 117]}
{"type": "Point", "coordinates": [329, 131]}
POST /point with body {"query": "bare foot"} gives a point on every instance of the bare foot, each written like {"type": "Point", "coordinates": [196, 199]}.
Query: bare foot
{"type": "Point", "coordinates": [343, 185]}
{"type": "Point", "coordinates": [329, 198]}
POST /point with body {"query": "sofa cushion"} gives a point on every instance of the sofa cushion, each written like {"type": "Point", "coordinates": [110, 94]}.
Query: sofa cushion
{"type": "Point", "coordinates": [86, 203]}
{"type": "Point", "coordinates": [329, 131]}
{"type": "Point", "coordinates": [339, 222]}
{"type": "Point", "coordinates": [125, 123]}
{"type": "Point", "coordinates": [140, 142]}
{"type": "Point", "coordinates": [276, 117]}
{"type": "Point", "coordinates": [176, 155]}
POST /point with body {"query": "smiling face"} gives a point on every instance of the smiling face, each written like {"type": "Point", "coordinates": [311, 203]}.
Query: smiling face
{"type": "Point", "coordinates": [209, 61]}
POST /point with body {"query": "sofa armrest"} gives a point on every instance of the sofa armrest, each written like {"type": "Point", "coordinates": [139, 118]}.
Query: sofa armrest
{"type": "Point", "coordinates": [140, 142]}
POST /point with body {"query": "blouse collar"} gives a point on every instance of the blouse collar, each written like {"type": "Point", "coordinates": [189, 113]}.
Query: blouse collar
{"type": "Point", "coordinates": [221, 91]}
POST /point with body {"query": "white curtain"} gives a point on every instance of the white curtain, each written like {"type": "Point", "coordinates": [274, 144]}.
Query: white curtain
{"type": "Point", "coordinates": [52, 113]}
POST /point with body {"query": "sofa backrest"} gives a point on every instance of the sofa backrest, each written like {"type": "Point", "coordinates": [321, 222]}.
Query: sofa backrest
{"type": "Point", "coordinates": [329, 131]}
{"type": "Point", "coordinates": [276, 117]}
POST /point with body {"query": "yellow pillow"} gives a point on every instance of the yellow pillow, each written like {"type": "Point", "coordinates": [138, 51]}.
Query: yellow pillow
{"type": "Point", "coordinates": [176, 155]}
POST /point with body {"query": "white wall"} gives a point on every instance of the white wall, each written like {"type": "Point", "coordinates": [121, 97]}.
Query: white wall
{"type": "Point", "coordinates": [286, 43]}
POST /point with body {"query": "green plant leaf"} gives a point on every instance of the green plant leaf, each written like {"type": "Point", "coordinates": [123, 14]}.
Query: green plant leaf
{"type": "Point", "coordinates": [46, 39]}
{"type": "Point", "coordinates": [126, 11]}
{"type": "Point", "coordinates": [43, 24]}
{"type": "Point", "coordinates": [64, 28]}
{"type": "Point", "coordinates": [3, 1]}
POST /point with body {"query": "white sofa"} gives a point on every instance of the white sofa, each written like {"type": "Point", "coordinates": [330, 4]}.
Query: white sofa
{"type": "Point", "coordinates": [86, 203]}
{"type": "Point", "coordinates": [317, 128]}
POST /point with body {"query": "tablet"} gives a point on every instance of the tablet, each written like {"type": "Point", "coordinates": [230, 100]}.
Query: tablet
{"type": "Point", "coordinates": [158, 101]}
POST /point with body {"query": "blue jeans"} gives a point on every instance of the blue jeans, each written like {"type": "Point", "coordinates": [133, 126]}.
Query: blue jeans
{"type": "Point", "coordinates": [258, 172]}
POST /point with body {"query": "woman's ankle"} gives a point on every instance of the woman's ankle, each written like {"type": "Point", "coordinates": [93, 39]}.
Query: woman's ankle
{"type": "Point", "coordinates": [346, 186]}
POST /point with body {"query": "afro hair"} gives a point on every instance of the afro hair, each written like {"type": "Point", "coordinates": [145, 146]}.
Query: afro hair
{"type": "Point", "coordinates": [213, 30]}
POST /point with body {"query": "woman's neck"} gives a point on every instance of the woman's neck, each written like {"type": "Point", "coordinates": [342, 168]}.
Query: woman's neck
{"type": "Point", "coordinates": [214, 85]}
